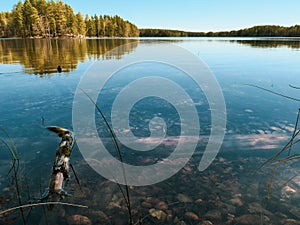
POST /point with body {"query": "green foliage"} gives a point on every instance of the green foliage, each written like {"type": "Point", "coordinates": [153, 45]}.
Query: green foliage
{"type": "Point", "coordinates": [81, 27]}
{"type": "Point", "coordinates": [30, 19]}
{"type": "Point", "coordinates": [17, 20]}
{"type": "Point", "coordinates": [108, 26]}
{"type": "Point", "coordinates": [256, 31]}
{"type": "Point", "coordinates": [71, 20]}
{"type": "Point", "coordinates": [5, 18]}
{"type": "Point", "coordinates": [50, 18]}
{"type": "Point", "coordinates": [163, 33]}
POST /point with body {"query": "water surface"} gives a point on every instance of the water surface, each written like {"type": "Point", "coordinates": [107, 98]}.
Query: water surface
{"type": "Point", "coordinates": [259, 123]}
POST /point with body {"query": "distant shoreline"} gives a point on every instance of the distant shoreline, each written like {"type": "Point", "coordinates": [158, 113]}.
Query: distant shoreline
{"type": "Point", "coordinates": [256, 31]}
{"type": "Point", "coordinates": [267, 31]}
{"type": "Point", "coordinates": [156, 37]}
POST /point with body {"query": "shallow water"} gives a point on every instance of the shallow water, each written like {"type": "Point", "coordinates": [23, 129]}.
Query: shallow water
{"type": "Point", "coordinates": [229, 191]}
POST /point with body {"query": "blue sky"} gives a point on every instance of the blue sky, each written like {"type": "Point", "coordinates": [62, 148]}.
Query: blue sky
{"type": "Point", "coordinates": [190, 15]}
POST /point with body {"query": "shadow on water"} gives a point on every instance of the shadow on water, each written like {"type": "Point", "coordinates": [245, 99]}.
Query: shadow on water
{"type": "Point", "coordinates": [43, 56]}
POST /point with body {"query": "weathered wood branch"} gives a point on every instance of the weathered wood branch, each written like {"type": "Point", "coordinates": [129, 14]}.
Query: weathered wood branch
{"type": "Point", "coordinates": [61, 166]}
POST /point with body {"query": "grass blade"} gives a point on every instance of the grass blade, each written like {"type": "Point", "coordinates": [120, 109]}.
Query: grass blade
{"type": "Point", "coordinates": [117, 148]}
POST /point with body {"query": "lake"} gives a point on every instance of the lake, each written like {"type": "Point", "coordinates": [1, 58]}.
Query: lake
{"type": "Point", "coordinates": [249, 75]}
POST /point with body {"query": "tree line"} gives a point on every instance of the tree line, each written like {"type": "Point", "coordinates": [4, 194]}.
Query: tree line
{"type": "Point", "coordinates": [256, 31]}
{"type": "Point", "coordinates": [41, 18]}
{"type": "Point", "coordinates": [54, 18]}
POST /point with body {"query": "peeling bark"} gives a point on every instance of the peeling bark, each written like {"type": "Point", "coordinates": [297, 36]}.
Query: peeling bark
{"type": "Point", "coordinates": [61, 166]}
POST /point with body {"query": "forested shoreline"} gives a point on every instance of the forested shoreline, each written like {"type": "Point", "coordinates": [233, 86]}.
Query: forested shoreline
{"type": "Point", "coordinates": [41, 18]}
{"type": "Point", "coordinates": [54, 18]}
{"type": "Point", "coordinates": [256, 31]}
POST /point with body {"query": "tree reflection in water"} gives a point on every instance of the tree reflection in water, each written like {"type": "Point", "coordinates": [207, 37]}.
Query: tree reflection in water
{"type": "Point", "coordinates": [43, 56]}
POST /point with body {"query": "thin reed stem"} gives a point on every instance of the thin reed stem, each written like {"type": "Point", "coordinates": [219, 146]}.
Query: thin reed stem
{"type": "Point", "coordinates": [15, 168]}
{"type": "Point", "coordinates": [274, 92]}
{"type": "Point", "coordinates": [117, 148]}
{"type": "Point", "coordinates": [295, 129]}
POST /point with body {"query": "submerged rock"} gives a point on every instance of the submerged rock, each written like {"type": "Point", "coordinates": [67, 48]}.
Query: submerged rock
{"type": "Point", "coordinates": [150, 200]}
{"type": "Point", "coordinates": [236, 201]}
{"type": "Point", "coordinates": [214, 214]}
{"type": "Point", "coordinates": [287, 192]}
{"type": "Point", "coordinates": [184, 198]}
{"type": "Point", "coordinates": [159, 214]}
{"type": "Point", "coordinates": [146, 205]}
{"type": "Point", "coordinates": [78, 220]}
{"type": "Point", "coordinates": [295, 211]}
{"type": "Point", "coordinates": [230, 209]}
{"type": "Point", "coordinates": [290, 222]}
{"type": "Point", "coordinates": [114, 205]}
{"type": "Point", "coordinates": [191, 216]}
{"type": "Point", "coordinates": [247, 219]}
{"type": "Point", "coordinates": [199, 201]}
{"type": "Point", "coordinates": [206, 222]}
{"type": "Point", "coordinates": [255, 208]}
{"type": "Point", "coordinates": [162, 205]}
{"type": "Point", "coordinates": [99, 217]}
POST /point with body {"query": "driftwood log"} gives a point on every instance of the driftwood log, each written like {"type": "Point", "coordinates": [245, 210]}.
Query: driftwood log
{"type": "Point", "coordinates": [61, 166]}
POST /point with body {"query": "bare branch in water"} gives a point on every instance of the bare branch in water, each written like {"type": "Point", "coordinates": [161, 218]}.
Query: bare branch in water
{"type": "Point", "coordinates": [77, 180]}
{"type": "Point", "coordinates": [274, 157]}
{"type": "Point", "coordinates": [11, 145]}
{"type": "Point", "coordinates": [293, 157]}
{"type": "Point", "coordinates": [275, 160]}
{"type": "Point", "coordinates": [274, 92]}
{"type": "Point", "coordinates": [41, 203]}
{"type": "Point", "coordinates": [295, 87]}
{"type": "Point", "coordinates": [294, 132]}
